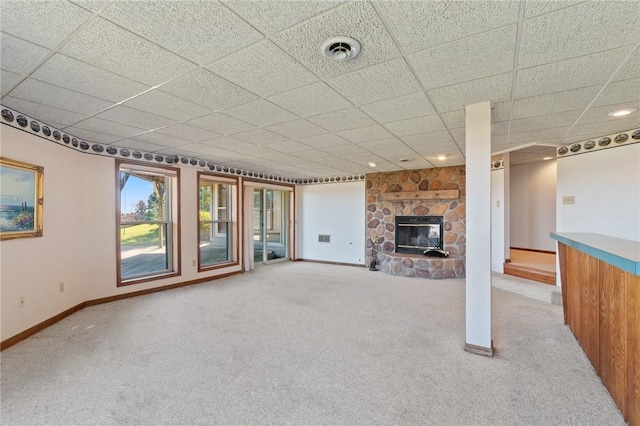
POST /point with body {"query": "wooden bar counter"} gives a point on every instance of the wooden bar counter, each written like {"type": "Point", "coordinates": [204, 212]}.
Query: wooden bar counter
{"type": "Point", "coordinates": [600, 278]}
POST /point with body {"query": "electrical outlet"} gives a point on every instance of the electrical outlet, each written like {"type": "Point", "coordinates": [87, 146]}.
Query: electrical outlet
{"type": "Point", "coordinates": [61, 288]}
{"type": "Point", "coordinates": [568, 199]}
{"type": "Point", "coordinates": [21, 302]}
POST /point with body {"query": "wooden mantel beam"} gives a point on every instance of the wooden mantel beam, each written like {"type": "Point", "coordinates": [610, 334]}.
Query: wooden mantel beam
{"type": "Point", "coordinates": [443, 194]}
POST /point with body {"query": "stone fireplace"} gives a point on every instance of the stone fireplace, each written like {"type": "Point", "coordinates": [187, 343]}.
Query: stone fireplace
{"type": "Point", "coordinates": [438, 192]}
{"type": "Point", "coordinates": [415, 234]}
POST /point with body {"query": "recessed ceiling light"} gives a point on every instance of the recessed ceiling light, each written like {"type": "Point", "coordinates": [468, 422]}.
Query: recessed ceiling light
{"type": "Point", "coordinates": [442, 157]}
{"type": "Point", "coordinates": [372, 164]}
{"type": "Point", "coordinates": [622, 112]}
{"type": "Point", "coordinates": [547, 158]}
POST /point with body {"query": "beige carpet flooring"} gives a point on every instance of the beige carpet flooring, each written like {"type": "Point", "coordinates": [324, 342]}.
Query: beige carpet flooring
{"type": "Point", "coordinates": [303, 343]}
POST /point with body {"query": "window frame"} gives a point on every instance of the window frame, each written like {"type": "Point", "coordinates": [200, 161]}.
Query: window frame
{"type": "Point", "coordinates": [173, 221]}
{"type": "Point", "coordinates": [233, 208]}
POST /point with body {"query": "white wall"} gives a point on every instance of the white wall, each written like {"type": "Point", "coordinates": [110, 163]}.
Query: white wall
{"type": "Point", "coordinates": [533, 205]}
{"type": "Point", "coordinates": [78, 246]}
{"type": "Point", "coordinates": [498, 254]}
{"type": "Point", "coordinates": [337, 210]}
{"type": "Point", "coordinates": [606, 186]}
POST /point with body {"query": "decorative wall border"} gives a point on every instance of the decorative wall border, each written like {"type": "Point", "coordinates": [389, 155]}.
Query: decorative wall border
{"type": "Point", "coordinates": [30, 125]}
{"type": "Point", "coordinates": [497, 165]}
{"type": "Point", "coordinates": [610, 141]}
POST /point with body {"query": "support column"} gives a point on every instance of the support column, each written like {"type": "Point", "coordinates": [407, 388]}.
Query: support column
{"type": "Point", "coordinates": [478, 256]}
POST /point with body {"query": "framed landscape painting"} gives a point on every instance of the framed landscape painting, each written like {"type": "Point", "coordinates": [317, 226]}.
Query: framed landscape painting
{"type": "Point", "coordinates": [21, 199]}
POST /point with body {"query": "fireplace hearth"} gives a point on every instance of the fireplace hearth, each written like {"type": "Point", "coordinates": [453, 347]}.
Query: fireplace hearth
{"type": "Point", "coordinates": [418, 234]}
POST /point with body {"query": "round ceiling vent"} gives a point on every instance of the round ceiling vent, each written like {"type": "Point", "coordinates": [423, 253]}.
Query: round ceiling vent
{"type": "Point", "coordinates": [341, 49]}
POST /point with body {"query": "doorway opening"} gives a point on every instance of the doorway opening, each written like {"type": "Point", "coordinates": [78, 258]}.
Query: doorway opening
{"type": "Point", "coordinates": [270, 225]}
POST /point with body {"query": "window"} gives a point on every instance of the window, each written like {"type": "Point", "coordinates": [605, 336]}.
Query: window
{"type": "Point", "coordinates": [148, 223]}
{"type": "Point", "coordinates": [217, 228]}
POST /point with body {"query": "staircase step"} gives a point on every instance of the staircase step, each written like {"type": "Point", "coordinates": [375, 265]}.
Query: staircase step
{"type": "Point", "coordinates": [529, 273]}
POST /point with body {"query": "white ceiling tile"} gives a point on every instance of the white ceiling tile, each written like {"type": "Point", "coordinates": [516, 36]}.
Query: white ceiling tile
{"type": "Point", "coordinates": [48, 94]}
{"type": "Point", "coordinates": [8, 80]}
{"type": "Point", "coordinates": [137, 145]}
{"type": "Point", "coordinates": [455, 118]}
{"type": "Point", "coordinates": [500, 111]}
{"type": "Point", "coordinates": [569, 74]}
{"type": "Point", "coordinates": [349, 148]}
{"type": "Point", "coordinates": [603, 128]}
{"type": "Point", "coordinates": [161, 140]}
{"type": "Point", "coordinates": [357, 20]}
{"type": "Point", "coordinates": [205, 88]}
{"type": "Point", "coordinates": [220, 123]}
{"type": "Point", "coordinates": [436, 148]}
{"type": "Point", "coordinates": [192, 29]}
{"type": "Point", "coordinates": [390, 143]}
{"type": "Point", "coordinates": [177, 151]}
{"type": "Point", "coordinates": [288, 146]}
{"type": "Point", "coordinates": [109, 127]}
{"type": "Point", "coordinates": [545, 121]}
{"type": "Point", "coordinates": [578, 30]}
{"type": "Point", "coordinates": [201, 148]}
{"type": "Point", "coordinates": [554, 102]}
{"type": "Point", "coordinates": [541, 7]}
{"type": "Point", "coordinates": [538, 135]}
{"type": "Point", "coordinates": [191, 133]}
{"type": "Point", "coordinates": [441, 137]}
{"type": "Point", "coordinates": [258, 151]}
{"type": "Point", "coordinates": [500, 128]}
{"type": "Point", "coordinates": [413, 105]}
{"type": "Point", "coordinates": [297, 129]}
{"type": "Point", "coordinates": [20, 56]}
{"type": "Point", "coordinates": [135, 118]}
{"type": "Point", "coordinates": [459, 135]}
{"type": "Point", "coordinates": [419, 25]}
{"type": "Point", "coordinates": [165, 105]}
{"type": "Point", "coordinates": [377, 82]}
{"type": "Point", "coordinates": [94, 5]}
{"type": "Point", "coordinates": [92, 136]}
{"type": "Point", "coordinates": [496, 88]}
{"type": "Point", "coordinates": [620, 91]}
{"type": "Point", "coordinates": [631, 69]}
{"type": "Point", "coordinates": [595, 114]}
{"type": "Point", "coordinates": [314, 99]}
{"type": "Point", "coordinates": [259, 136]}
{"type": "Point", "coordinates": [110, 47]}
{"type": "Point", "coordinates": [69, 73]}
{"type": "Point", "coordinates": [395, 154]}
{"type": "Point", "coordinates": [282, 158]}
{"type": "Point", "coordinates": [453, 159]}
{"type": "Point", "coordinates": [471, 58]}
{"type": "Point", "coordinates": [46, 114]}
{"type": "Point", "coordinates": [271, 17]}
{"type": "Point", "coordinates": [46, 23]}
{"type": "Point", "coordinates": [426, 124]}
{"type": "Point", "coordinates": [323, 141]}
{"type": "Point", "coordinates": [260, 70]}
{"type": "Point", "coordinates": [414, 164]}
{"type": "Point", "coordinates": [363, 134]}
{"type": "Point", "coordinates": [261, 113]}
{"type": "Point", "coordinates": [350, 118]}
{"type": "Point", "coordinates": [311, 154]}
{"type": "Point", "coordinates": [226, 142]}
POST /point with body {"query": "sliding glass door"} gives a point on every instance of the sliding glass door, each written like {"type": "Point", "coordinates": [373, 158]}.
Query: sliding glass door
{"type": "Point", "coordinates": [270, 220]}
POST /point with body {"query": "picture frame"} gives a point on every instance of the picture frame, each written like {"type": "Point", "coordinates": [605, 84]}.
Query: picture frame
{"type": "Point", "coordinates": [21, 199]}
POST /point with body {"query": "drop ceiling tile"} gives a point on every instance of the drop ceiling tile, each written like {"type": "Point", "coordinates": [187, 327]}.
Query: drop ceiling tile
{"type": "Point", "coordinates": [603, 128]}
{"type": "Point", "coordinates": [44, 113]}
{"type": "Point", "coordinates": [569, 74]}
{"type": "Point", "coordinates": [395, 154]}
{"type": "Point", "coordinates": [337, 162]}
{"type": "Point", "coordinates": [134, 117]}
{"type": "Point", "coordinates": [220, 123]}
{"type": "Point", "coordinates": [568, 100]}
{"type": "Point", "coordinates": [258, 151]}
{"type": "Point", "coordinates": [453, 159]}
{"type": "Point", "coordinates": [94, 5]}
{"type": "Point", "coordinates": [545, 121]}
{"type": "Point", "coordinates": [92, 136]}
{"type": "Point", "coordinates": [577, 31]}
{"type": "Point", "coordinates": [455, 118]}
{"type": "Point", "coordinates": [205, 88]}
{"type": "Point", "coordinates": [201, 148]}
{"type": "Point", "coordinates": [631, 69]}
{"type": "Point", "coordinates": [471, 58]}
{"type": "Point", "coordinates": [260, 70]}
{"type": "Point", "coordinates": [226, 142]}
{"type": "Point", "coordinates": [271, 17]}
{"type": "Point", "coordinates": [363, 159]}
{"type": "Point", "coordinates": [109, 127]}
{"type": "Point", "coordinates": [413, 105]}
{"type": "Point", "coordinates": [48, 23]}
{"type": "Point", "coordinates": [161, 140]}
{"type": "Point", "coordinates": [192, 29]}
{"type": "Point", "coordinates": [420, 25]}
{"type": "Point", "coordinates": [8, 80]}
{"type": "Point", "coordinates": [297, 129]}
{"type": "Point", "coordinates": [496, 88]}
{"type": "Point", "coordinates": [620, 91]}
{"type": "Point", "coordinates": [442, 137]}
{"type": "Point", "coordinates": [314, 99]}
{"type": "Point", "coordinates": [436, 148]}
{"type": "Point", "coordinates": [357, 20]}
{"type": "Point", "coordinates": [58, 97]}
{"type": "Point", "coordinates": [191, 133]}
{"type": "Point", "coordinates": [595, 114]}
{"type": "Point", "coordinates": [414, 164]}
{"type": "Point", "coordinates": [165, 105]}
{"type": "Point", "coordinates": [323, 141]}
{"type": "Point", "coordinates": [20, 56]}
{"type": "Point", "coordinates": [536, 8]}
{"type": "Point", "coordinates": [346, 119]}
{"type": "Point", "coordinates": [349, 148]}
{"type": "Point", "coordinates": [376, 83]}
{"type": "Point", "coordinates": [288, 146]}
{"type": "Point", "coordinates": [544, 135]}
{"type": "Point", "coordinates": [261, 113]}
{"type": "Point", "coordinates": [71, 74]}
{"type": "Point", "coordinates": [500, 128]}
{"type": "Point", "coordinates": [177, 151]}
{"type": "Point", "coordinates": [389, 143]}
{"type": "Point", "coordinates": [364, 134]}
{"type": "Point", "coordinates": [311, 154]}
{"type": "Point", "coordinates": [259, 136]}
{"type": "Point", "coordinates": [459, 135]}
{"type": "Point", "coordinates": [426, 124]}
{"type": "Point", "coordinates": [139, 145]}
{"type": "Point", "coordinates": [282, 158]}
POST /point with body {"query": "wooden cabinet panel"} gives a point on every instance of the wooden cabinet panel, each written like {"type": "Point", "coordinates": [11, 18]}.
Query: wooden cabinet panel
{"type": "Point", "coordinates": [633, 350]}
